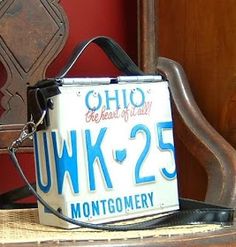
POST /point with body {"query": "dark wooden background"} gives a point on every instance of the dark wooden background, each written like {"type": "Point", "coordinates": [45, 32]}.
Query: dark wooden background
{"type": "Point", "coordinates": [201, 36]}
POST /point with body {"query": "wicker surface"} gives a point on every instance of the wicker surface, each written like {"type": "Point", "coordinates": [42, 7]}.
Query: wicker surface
{"type": "Point", "coordinates": [21, 226]}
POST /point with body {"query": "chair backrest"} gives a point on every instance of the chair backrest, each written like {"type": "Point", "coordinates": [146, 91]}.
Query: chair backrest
{"type": "Point", "coordinates": [213, 152]}
{"type": "Point", "coordinates": [32, 33]}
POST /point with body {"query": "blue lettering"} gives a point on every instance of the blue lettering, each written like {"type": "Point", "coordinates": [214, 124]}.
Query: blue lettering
{"type": "Point", "coordinates": [65, 163]}
{"type": "Point", "coordinates": [95, 208]}
{"type": "Point", "coordinates": [150, 195]}
{"type": "Point", "coordinates": [132, 94]}
{"type": "Point", "coordinates": [128, 202]}
{"type": "Point", "coordinates": [119, 206]}
{"type": "Point", "coordinates": [103, 205]}
{"type": "Point", "coordinates": [166, 147]}
{"type": "Point", "coordinates": [137, 201]}
{"type": "Point", "coordinates": [94, 101]}
{"type": "Point", "coordinates": [144, 201]}
{"type": "Point", "coordinates": [108, 99]}
{"type": "Point", "coordinates": [75, 210]}
{"type": "Point", "coordinates": [124, 98]}
{"type": "Point", "coordinates": [87, 101]}
{"type": "Point", "coordinates": [86, 209]}
{"type": "Point", "coordinates": [94, 152]}
{"type": "Point", "coordinates": [143, 129]}
{"type": "Point", "coordinates": [45, 188]}
{"type": "Point", "coordinates": [111, 206]}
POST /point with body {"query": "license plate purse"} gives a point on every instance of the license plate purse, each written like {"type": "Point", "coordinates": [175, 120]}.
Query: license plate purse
{"type": "Point", "coordinates": [103, 147]}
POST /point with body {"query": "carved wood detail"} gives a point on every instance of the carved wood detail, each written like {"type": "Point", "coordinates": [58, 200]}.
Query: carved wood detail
{"type": "Point", "coordinates": [32, 33]}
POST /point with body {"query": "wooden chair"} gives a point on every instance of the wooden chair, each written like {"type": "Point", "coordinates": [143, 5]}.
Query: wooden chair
{"type": "Point", "coordinates": [27, 63]}
{"type": "Point", "coordinates": [32, 33]}
{"type": "Point", "coordinates": [212, 151]}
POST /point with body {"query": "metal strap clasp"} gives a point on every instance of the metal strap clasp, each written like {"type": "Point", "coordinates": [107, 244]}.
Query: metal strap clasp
{"type": "Point", "coordinates": [26, 133]}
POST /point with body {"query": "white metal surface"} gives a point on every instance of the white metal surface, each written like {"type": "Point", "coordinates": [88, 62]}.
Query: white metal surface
{"type": "Point", "coordinates": [108, 154]}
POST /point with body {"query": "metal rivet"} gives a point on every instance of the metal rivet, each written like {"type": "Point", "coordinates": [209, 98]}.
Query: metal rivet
{"type": "Point", "coordinates": [59, 210]}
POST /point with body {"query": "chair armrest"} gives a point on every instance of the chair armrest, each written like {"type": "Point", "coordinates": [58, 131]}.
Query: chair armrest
{"type": "Point", "coordinates": [214, 153]}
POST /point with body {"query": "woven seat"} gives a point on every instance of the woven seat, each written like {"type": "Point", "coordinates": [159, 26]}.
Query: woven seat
{"type": "Point", "coordinates": [21, 226]}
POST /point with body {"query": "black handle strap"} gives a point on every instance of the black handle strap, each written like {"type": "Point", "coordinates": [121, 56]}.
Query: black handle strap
{"type": "Point", "coordinates": [38, 95]}
{"type": "Point", "coordinates": [112, 49]}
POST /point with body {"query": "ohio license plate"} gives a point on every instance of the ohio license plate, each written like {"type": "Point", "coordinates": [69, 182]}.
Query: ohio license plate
{"type": "Point", "coordinates": [108, 154]}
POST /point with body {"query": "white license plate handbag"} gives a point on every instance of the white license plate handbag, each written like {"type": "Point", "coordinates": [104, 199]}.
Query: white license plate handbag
{"type": "Point", "coordinates": [104, 149]}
